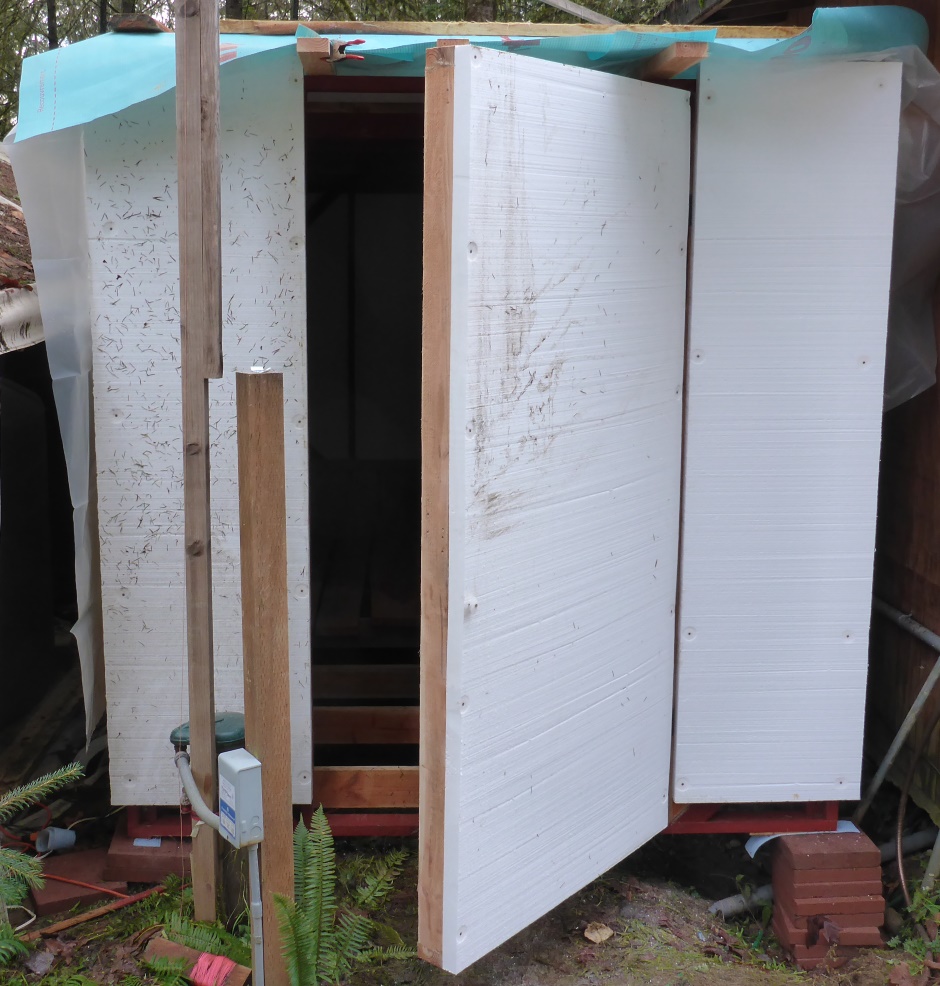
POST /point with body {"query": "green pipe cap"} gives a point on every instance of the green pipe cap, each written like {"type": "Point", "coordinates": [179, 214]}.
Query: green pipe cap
{"type": "Point", "coordinates": [229, 732]}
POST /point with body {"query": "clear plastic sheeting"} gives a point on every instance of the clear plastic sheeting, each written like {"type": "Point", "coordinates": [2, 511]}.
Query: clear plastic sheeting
{"type": "Point", "coordinates": [50, 178]}
{"type": "Point", "coordinates": [911, 363]}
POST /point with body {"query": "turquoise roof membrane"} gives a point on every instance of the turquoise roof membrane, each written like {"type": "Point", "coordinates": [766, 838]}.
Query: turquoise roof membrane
{"type": "Point", "coordinates": [106, 74]}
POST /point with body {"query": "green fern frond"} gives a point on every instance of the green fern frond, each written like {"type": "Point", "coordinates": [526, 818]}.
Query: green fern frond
{"type": "Point", "coordinates": [198, 936]}
{"type": "Point", "coordinates": [15, 865]}
{"type": "Point", "coordinates": [386, 935]}
{"type": "Point", "coordinates": [297, 944]}
{"type": "Point", "coordinates": [10, 946]}
{"type": "Point", "coordinates": [379, 879]}
{"type": "Point", "coordinates": [387, 953]}
{"type": "Point", "coordinates": [19, 798]}
{"type": "Point", "coordinates": [77, 979]}
{"type": "Point", "coordinates": [167, 972]}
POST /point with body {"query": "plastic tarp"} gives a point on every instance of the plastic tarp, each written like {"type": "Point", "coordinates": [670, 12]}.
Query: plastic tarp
{"type": "Point", "coordinates": [65, 88]}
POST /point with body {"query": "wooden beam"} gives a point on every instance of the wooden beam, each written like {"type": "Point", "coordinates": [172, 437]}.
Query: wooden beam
{"type": "Point", "coordinates": [259, 399]}
{"type": "Point", "coordinates": [365, 787]}
{"type": "Point", "coordinates": [671, 61]}
{"type": "Point", "coordinates": [314, 54]}
{"type": "Point", "coordinates": [472, 29]}
{"type": "Point", "coordinates": [435, 490]}
{"type": "Point", "coordinates": [197, 119]}
{"type": "Point", "coordinates": [377, 724]}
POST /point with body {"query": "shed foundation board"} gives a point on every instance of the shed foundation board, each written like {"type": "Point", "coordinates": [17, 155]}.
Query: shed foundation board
{"type": "Point", "coordinates": [792, 233]}
{"type": "Point", "coordinates": [555, 270]}
{"type": "Point", "coordinates": [131, 188]}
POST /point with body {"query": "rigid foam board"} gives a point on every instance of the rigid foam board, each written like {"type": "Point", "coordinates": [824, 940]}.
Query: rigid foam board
{"type": "Point", "coordinates": [555, 263]}
{"type": "Point", "coordinates": [794, 204]}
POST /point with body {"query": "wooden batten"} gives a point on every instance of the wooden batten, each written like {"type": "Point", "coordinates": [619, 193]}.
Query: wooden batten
{"type": "Point", "coordinates": [493, 29]}
{"type": "Point", "coordinates": [263, 524]}
{"type": "Point", "coordinates": [365, 787]}
{"type": "Point", "coordinates": [197, 115]}
{"type": "Point", "coordinates": [314, 56]}
{"type": "Point", "coordinates": [675, 59]}
{"type": "Point", "coordinates": [435, 503]}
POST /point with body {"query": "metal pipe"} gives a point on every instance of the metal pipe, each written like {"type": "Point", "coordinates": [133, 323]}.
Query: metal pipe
{"type": "Point", "coordinates": [255, 909]}
{"type": "Point", "coordinates": [932, 640]}
{"type": "Point", "coordinates": [199, 805]}
{"type": "Point", "coordinates": [910, 844]}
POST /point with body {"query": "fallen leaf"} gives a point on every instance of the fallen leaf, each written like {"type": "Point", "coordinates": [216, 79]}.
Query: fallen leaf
{"type": "Point", "coordinates": [597, 932]}
{"type": "Point", "coordinates": [40, 962]}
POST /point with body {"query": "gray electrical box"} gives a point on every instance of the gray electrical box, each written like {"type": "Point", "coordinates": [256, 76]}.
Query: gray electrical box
{"type": "Point", "coordinates": [240, 811]}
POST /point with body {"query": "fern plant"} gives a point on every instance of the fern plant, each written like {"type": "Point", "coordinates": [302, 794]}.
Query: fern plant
{"type": "Point", "coordinates": [19, 872]}
{"type": "Point", "coordinates": [322, 941]}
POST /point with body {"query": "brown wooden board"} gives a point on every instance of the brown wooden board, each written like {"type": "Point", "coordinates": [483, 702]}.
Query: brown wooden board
{"type": "Point", "coordinates": [262, 503]}
{"type": "Point", "coordinates": [161, 948]}
{"type": "Point", "coordinates": [365, 724]}
{"type": "Point", "coordinates": [365, 787]}
{"type": "Point", "coordinates": [435, 454]}
{"type": "Point", "coordinates": [471, 29]}
{"type": "Point", "coordinates": [356, 682]}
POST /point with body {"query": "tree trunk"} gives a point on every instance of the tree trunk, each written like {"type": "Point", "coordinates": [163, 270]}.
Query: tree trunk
{"type": "Point", "coordinates": [53, 29]}
{"type": "Point", "coordinates": [481, 10]}
{"type": "Point", "coordinates": [234, 10]}
{"type": "Point", "coordinates": [102, 16]}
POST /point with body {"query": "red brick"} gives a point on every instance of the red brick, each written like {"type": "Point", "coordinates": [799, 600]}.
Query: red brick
{"type": "Point", "coordinates": [795, 930]}
{"type": "Point", "coordinates": [144, 864]}
{"type": "Point", "coordinates": [869, 876]}
{"type": "Point", "coordinates": [804, 906]}
{"type": "Point", "coordinates": [87, 865]}
{"type": "Point", "coordinates": [828, 850]}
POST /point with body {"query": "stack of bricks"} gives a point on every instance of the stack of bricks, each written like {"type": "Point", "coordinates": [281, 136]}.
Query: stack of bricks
{"type": "Point", "coordinates": [827, 895]}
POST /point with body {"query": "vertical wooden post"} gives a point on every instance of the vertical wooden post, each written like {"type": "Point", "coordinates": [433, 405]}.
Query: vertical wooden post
{"type": "Point", "coordinates": [259, 400]}
{"type": "Point", "coordinates": [197, 121]}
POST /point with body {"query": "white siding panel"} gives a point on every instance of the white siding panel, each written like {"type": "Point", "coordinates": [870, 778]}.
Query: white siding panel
{"type": "Point", "coordinates": [569, 265]}
{"type": "Point", "coordinates": [131, 186]}
{"type": "Point", "coordinates": [794, 205]}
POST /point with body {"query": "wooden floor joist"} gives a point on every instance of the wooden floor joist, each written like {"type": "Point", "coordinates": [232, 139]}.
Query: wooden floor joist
{"type": "Point", "coordinates": [375, 724]}
{"type": "Point", "coordinates": [675, 59]}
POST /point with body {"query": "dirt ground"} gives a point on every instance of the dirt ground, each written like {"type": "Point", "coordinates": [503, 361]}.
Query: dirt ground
{"type": "Point", "coordinates": [662, 934]}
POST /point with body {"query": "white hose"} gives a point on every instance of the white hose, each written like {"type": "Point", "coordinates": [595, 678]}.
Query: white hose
{"type": "Point", "coordinates": [193, 793]}
{"type": "Point", "coordinates": [737, 904]}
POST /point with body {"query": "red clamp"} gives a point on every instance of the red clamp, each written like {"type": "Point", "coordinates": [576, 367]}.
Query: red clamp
{"type": "Point", "coordinates": [338, 51]}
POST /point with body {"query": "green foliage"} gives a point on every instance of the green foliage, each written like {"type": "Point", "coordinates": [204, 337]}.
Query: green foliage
{"type": "Point", "coordinates": [322, 941]}
{"type": "Point", "coordinates": [10, 946]}
{"type": "Point", "coordinates": [207, 938]}
{"type": "Point", "coordinates": [20, 798]}
{"type": "Point", "coordinates": [167, 972]}
{"type": "Point", "coordinates": [913, 940]}
{"type": "Point", "coordinates": [18, 872]}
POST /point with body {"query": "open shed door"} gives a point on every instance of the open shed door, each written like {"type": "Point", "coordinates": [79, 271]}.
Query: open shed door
{"type": "Point", "coordinates": [556, 207]}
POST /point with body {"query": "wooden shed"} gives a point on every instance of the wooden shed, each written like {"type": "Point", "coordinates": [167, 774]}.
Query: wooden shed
{"type": "Point", "coordinates": [608, 461]}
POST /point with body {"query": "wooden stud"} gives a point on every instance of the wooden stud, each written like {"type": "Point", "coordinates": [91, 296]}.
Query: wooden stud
{"type": "Point", "coordinates": [259, 400]}
{"type": "Point", "coordinates": [452, 42]}
{"type": "Point", "coordinates": [493, 29]}
{"type": "Point", "coordinates": [313, 54]}
{"type": "Point", "coordinates": [197, 117]}
{"type": "Point", "coordinates": [378, 724]}
{"type": "Point", "coordinates": [199, 165]}
{"type": "Point", "coordinates": [671, 61]}
{"type": "Point", "coordinates": [365, 787]}
{"type": "Point", "coordinates": [435, 454]}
